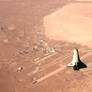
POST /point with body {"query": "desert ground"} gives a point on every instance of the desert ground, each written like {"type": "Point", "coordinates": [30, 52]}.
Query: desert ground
{"type": "Point", "coordinates": [37, 38]}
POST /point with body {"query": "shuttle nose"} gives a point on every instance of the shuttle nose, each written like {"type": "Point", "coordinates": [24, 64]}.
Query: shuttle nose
{"type": "Point", "coordinates": [74, 59]}
{"type": "Point", "coordinates": [75, 50]}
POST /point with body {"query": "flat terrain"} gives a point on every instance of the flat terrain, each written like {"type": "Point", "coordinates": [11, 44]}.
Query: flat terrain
{"type": "Point", "coordinates": [28, 35]}
{"type": "Point", "coordinates": [78, 19]}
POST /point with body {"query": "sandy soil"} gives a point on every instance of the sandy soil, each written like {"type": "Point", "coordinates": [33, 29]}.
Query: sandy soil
{"type": "Point", "coordinates": [71, 23]}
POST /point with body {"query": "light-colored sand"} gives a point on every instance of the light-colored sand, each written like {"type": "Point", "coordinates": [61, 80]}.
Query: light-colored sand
{"type": "Point", "coordinates": [72, 23]}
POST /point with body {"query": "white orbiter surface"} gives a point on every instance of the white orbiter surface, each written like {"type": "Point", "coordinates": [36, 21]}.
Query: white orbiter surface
{"type": "Point", "coordinates": [75, 59]}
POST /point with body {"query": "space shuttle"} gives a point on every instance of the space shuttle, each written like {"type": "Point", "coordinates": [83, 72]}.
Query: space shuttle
{"type": "Point", "coordinates": [76, 63]}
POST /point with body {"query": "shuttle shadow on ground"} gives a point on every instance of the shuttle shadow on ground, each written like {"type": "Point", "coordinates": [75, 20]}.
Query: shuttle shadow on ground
{"type": "Point", "coordinates": [80, 65]}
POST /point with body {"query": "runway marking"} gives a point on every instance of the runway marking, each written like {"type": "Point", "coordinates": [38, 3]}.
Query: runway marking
{"type": "Point", "coordinates": [45, 57]}
{"type": "Point", "coordinates": [58, 70]}
{"type": "Point", "coordinates": [85, 56]}
{"type": "Point", "coordinates": [52, 73]}
{"type": "Point", "coordinates": [54, 62]}
{"type": "Point", "coordinates": [40, 60]}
